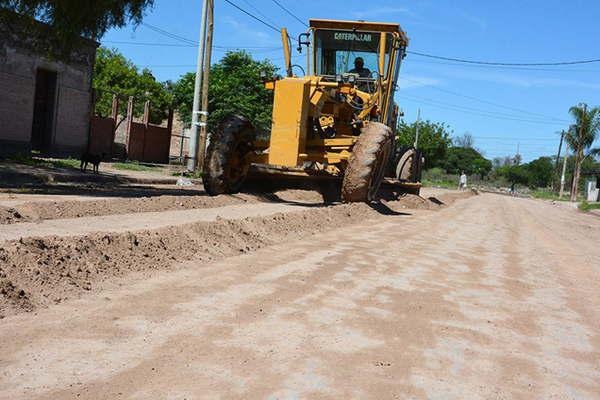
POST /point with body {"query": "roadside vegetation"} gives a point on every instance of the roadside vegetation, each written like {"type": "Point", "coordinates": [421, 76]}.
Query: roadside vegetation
{"type": "Point", "coordinates": [135, 166]}
{"type": "Point", "coordinates": [72, 163]}
{"type": "Point", "coordinates": [447, 155]}
{"type": "Point", "coordinates": [32, 161]}
{"type": "Point", "coordinates": [585, 206]}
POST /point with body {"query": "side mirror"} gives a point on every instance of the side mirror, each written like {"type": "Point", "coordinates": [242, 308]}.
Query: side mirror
{"type": "Point", "coordinates": [303, 43]}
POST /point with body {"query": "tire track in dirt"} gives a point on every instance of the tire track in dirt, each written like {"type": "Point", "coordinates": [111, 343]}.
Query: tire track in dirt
{"type": "Point", "coordinates": [512, 307]}
{"type": "Point", "coordinates": [39, 271]}
{"type": "Point", "coordinates": [232, 311]}
{"type": "Point", "coordinates": [428, 306]}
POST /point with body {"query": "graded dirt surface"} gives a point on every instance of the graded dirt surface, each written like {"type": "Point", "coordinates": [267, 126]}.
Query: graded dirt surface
{"type": "Point", "coordinates": [29, 208]}
{"type": "Point", "coordinates": [491, 297]}
{"type": "Point", "coordinates": [54, 260]}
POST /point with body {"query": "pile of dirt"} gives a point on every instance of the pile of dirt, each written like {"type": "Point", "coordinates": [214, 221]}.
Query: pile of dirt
{"type": "Point", "coordinates": [37, 211]}
{"type": "Point", "coordinates": [37, 272]}
{"type": "Point", "coordinates": [47, 210]}
{"type": "Point", "coordinates": [9, 215]}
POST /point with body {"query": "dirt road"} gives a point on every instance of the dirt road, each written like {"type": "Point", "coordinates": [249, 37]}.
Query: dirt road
{"type": "Point", "coordinates": [491, 298]}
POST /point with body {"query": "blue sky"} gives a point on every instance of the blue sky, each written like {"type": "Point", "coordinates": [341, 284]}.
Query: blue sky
{"type": "Point", "coordinates": [502, 107]}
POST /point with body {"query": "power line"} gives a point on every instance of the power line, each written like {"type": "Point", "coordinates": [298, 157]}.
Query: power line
{"type": "Point", "coordinates": [471, 111]}
{"type": "Point", "coordinates": [500, 67]}
{"type": "Point", "coordinates": [148, 44]}
{"type": "Point", "coordinates": [473, 108]}
{"type": "Point", "coordinates": [456, 60]}
{"type": "Point", "coordinates": [537, 115]}
{"type": "Point", "coordinates": [253, 16]}
{"type": "Point", "coordinates": [259, 12]}
{"type": "Point", "coordinates": [290, 13]}
{"type": "Point", "coordinates": [512, 64]}
{"type": "Point", "coordinates": [170, 34]}
{"type": "Point", "coordinates": [187, 65]}
{"type": "Point", "coordinates": [190, 45]}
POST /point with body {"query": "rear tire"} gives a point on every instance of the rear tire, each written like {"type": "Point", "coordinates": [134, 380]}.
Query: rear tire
{"type": "Point", "coordinates": [409, 169]}
{"type": "Point", "coordinates": [367, 164]}
{"type": "Point", "coordinates": [404, 168]}
{"type": "Point", "coordinates": [226, 165]}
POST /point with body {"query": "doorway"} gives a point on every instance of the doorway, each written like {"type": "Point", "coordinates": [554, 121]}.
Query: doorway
{"type": "Point", "coordinates": [43, 110]}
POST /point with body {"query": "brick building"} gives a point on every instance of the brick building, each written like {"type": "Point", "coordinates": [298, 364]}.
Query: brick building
{"type": "Point", "coordinates": [45, 95]}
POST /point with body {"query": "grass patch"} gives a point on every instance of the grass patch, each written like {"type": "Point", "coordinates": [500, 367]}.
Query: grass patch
{"type": "Point", "coordinates": [25, 159]}
{"type": "Point", "coordinates": [66, 163]}
{"type": "Point", "coordinates": [585, 206]}
{"type": "Point", "coordinates": [134, 166]}
{"type": "Point", "coordinates": [549, 195]}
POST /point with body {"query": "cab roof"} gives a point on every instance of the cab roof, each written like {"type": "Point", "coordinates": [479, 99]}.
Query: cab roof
{"type": "Point", "coordinates": [358, 25]}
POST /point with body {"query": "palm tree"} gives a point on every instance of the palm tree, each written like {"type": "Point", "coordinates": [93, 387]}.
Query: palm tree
{"type": "Point", "coordinates": [581, 137]}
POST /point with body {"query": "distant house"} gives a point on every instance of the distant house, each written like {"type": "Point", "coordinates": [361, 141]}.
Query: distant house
{"type": "Point", "coordinates": [592, 185]}
{"type": "Point", "coordinates": [45, 96]}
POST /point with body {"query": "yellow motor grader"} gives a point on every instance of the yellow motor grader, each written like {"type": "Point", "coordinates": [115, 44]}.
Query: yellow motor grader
{"type": "Point", "coordinates": [337, 120]}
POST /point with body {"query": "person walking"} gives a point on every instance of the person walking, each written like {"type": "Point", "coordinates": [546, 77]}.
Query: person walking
{"type": "Point", "coordinates": [462, 182]}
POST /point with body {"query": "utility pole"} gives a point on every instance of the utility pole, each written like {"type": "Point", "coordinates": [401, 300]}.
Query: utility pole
{"type": "Point", "coordinates": [417, 128]}
{"type": "Point", "coordinates": [194, 134]}
{"type": "Point", "coordinates": [562, 138]}
{"type": "Point", "coordinates": [564, 170]}
{"type": "Point", "coordinates": [578, 157]}
{"type": "Point", "coordinates": [205, 81]}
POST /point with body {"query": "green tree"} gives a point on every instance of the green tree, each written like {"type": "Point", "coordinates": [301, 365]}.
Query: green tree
{"type": "Point", "coordinates": [434, 140]}
{"type": "Point", "coordinates": [540, 172]}
{"type": "Point", "coordinates": [235, 88]}
{"type": "Point", "coordinates": [115, 74]}
{"type": "Point", "coordinates": [72, 19]}
{"type": "Point", "coordinates": [537, 173]}
{"type": "Point", "coordinates": [466, 159]}
{"type": "Point", "coordinates": [518, 174]}
{"type": "Point", "coordinates": [581, 137]}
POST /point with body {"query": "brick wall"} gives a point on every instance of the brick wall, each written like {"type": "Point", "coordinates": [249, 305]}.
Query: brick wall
{"type": "Point", "coordinates": [19, 63]}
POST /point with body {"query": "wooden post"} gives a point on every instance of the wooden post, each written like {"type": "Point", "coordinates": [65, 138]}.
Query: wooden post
{"type": "Point", "coordinates": [557, 164]}
{"type": "Point", "coordinates": [146, 122]}
{"type": "Point", "coordinates": [201, 152]}
{"type": "Point", "coordinates": [146, 119]}
{"type": "Point", "coordinates": [564, 170]}
{"type": "Point", "coordinates": [170, 121]}
{"type": "Point", "coordinates": [115, 107]}
{"type": "Point", "coordinates": [195, 129]}
{"type": "Point", "coordinates": [129, 123]}
{"type": "Point", "coordinates": [578, 159]}
{"type": "Point", "coordinates": [114, 116]}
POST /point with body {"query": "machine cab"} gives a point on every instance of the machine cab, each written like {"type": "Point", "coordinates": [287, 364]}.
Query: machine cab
{"type": "Point", "coordinates": [369, 53]}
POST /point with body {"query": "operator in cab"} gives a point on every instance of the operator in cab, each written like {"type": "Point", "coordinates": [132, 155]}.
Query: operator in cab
{"type": "Point", "coordinates": [359, 68]}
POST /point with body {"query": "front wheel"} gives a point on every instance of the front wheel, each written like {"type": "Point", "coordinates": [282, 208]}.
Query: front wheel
{"type": "Point", "coordinates": [226, 164]}
{"type": "Point", "coordinates": [367, 164]}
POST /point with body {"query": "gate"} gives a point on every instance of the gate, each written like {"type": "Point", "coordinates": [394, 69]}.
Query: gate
{"type": "Point", "coordinates": [146, 142]}
{"type": "Point", "coordinates": [102, 133]}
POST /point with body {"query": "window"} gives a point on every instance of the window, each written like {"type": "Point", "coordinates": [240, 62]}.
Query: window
{"type": "Point", "coordinates": [337, 51]}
